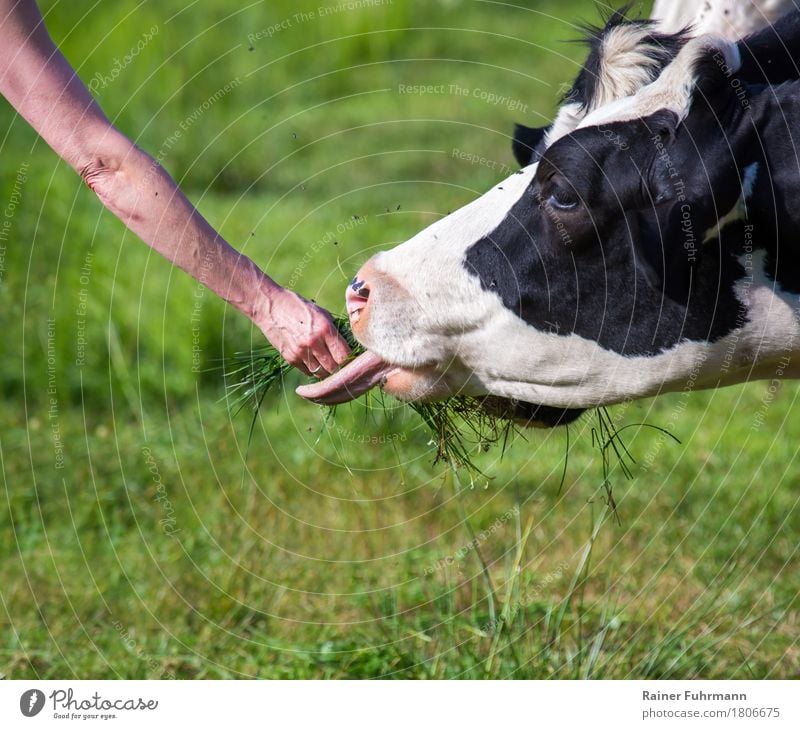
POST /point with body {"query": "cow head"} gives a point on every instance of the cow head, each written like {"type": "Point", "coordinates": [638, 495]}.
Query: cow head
{"type": "Point", "coordinates": [576, 282]}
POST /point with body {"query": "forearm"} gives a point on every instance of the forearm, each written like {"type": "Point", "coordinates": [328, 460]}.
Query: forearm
{"type": "Point", "coordinates": [143, 196]}
{"type": "Point", "coordinates": [39, 82]}
{"type": "Point", "coordinates": [138, 190]}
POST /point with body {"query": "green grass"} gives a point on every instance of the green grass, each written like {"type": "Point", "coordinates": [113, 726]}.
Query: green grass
{"type": "Point", "coordinates": [337, 548]}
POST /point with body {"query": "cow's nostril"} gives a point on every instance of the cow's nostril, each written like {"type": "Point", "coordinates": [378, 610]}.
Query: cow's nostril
{"type": "Point", "coordinates": [359, 288]}
{"type": "Point", "coordinates": [356, 298]}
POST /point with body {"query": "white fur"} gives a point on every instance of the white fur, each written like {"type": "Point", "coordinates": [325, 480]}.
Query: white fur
{"type": "Point", "coordinates": [672, 90]}
{"type": "Point", "coordinates": [625, 68]}
{"type": "Point", "coordinates": [567, 120]}
{"type": "Point", "coordinates": [432, 260]}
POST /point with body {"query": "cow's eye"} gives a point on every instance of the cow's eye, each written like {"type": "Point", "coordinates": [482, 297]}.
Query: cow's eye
{"type": "Point", "coordinates": [563, 198]}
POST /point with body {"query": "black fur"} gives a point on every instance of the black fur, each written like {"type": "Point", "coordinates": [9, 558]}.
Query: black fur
{"type": "Point", "coordinates": [599, 286]}
{"type": "Point", "coordinates": [528, 414]}
{"type": "Point", "coordinates": [528, 144]}
{"type": "Point", "coordinates": [772, 55]}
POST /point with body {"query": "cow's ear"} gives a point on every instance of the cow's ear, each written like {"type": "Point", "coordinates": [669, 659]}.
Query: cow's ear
{"type": "Point", "coordinates": [662, 127]}
{"type": "Point", "coordinates": [664, 123]}
{"type": "Point", "coordinates": [526, 144]}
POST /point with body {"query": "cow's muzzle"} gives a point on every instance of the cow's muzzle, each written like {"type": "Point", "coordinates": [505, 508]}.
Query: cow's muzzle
{"type": "Point", "coordinates": [369, 288]}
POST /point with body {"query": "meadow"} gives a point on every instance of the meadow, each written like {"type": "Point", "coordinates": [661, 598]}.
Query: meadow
{"type": "Point", "coordinates": [145, 534]}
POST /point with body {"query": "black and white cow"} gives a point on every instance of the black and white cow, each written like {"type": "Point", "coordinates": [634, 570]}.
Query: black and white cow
{"type": "Point", "coordinates": [639, 255]}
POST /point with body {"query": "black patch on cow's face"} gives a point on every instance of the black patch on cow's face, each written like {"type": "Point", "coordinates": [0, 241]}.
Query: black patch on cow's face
{"type": "Point", "coordinates": [544, 415]}
{"type": "Point", "coordinates": [737, 140]}
{"type": "Point", "coordinates": [528, 144]}
{"type": "Point", "coordinates": [774, 119]}
{"type": "Point", "coordinates": [595, 246]}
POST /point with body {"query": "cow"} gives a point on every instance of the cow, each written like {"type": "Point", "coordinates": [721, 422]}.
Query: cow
{"type": "Point", "coordinates": [635, 253]}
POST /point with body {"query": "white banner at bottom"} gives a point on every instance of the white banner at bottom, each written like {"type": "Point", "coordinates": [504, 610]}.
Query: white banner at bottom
{"type": "Point", "coordinates": [401, 704]}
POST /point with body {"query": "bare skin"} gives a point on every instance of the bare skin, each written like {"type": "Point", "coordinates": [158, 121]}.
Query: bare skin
{"type": "Point", "coordinates": [42, 86]}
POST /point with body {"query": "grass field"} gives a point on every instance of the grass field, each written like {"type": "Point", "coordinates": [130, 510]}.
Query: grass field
{"type": "Point", "coordinates": [137, 539]}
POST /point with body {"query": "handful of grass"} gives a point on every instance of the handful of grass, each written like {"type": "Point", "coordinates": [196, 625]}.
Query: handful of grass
{"type": "Point", "coordinates": [459, 427]}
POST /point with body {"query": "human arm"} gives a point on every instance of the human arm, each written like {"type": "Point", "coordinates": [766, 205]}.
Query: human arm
{"type": "Point", "coordinates": [39, 82]}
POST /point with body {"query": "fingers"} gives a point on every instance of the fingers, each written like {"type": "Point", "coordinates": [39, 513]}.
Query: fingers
{"type": "Point", "coordinates": [324, 357]}
{"type": "Point", "coordinates": [312, 364]}
{"type": "Point", "coordinates": [310, 360]}
{"type": "Point", "coordinates": [301, 362]}
{"type": "Point", "coordinates": [302, 358]}
{"type": "Point", "coordinates": [305, 335]}
{"type": "Point", "coordinates": [337, 346]}
{"type": "Point", "coordinates": [329, 347]}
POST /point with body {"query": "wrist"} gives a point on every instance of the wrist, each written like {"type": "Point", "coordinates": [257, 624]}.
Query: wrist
{"type": "Point", "coordinates": [267, 300]}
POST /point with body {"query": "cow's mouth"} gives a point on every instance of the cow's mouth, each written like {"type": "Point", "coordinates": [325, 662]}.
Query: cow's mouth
{"type": "Point", "coordinates": [368, 370]}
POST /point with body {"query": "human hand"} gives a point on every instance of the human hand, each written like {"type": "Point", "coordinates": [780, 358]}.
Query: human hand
{"type": "Point", "coordinates": [303, 333]}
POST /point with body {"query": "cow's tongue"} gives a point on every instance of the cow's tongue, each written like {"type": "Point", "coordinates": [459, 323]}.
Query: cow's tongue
{"type": "Point", "coordinates": [348, 383]}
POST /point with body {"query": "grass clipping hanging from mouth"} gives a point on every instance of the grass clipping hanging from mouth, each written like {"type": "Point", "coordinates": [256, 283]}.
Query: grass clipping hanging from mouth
{"type": "Point", "coordinates": [459, 427]}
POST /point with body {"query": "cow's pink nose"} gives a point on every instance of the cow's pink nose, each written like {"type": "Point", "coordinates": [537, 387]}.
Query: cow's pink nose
{"type": "Point", "coordinates": [356, 298]}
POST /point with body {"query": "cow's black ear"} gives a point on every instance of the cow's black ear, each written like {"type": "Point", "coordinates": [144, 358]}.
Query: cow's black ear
{"type": "Point", "coordinates": [663, 125]}
{"type": "Point", "coordinates": [526, 144]}
{"type": "Point", "coordinates": [662, 128]}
